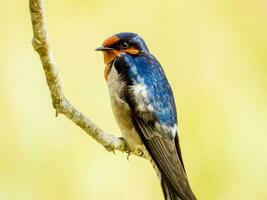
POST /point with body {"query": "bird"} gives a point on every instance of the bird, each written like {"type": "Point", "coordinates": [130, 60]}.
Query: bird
{"type": "Point", "coordinates": [143, 105]}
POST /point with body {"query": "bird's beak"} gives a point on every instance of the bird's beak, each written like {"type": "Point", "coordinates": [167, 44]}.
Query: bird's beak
{"type": "Point", "coordinates": [104, 49]}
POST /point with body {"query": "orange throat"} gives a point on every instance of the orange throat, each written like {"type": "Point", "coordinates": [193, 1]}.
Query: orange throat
{"type": "Point", "coordinates": [109, 57]}
{"type": "Point", "coordinates": [107, 70]}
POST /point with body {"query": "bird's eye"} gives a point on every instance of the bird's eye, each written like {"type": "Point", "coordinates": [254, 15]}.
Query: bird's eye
{"type": "Point", "coordinates": [124, 45]}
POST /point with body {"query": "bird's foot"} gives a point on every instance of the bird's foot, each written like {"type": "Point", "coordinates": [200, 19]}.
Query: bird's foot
{"type": "Point", "coordinates": [134, 151]}
{"type": "Point", "coordinates": [137, 151]}
{"type": "Point", "coordinates": [110, 148]}
{"type": "Point", "coordinates": [140, 152]}
{"type": "Point", "coordinates": [128, 156]}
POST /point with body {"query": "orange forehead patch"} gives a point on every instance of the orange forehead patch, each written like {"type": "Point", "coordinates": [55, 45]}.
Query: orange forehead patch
{"type": "Point", "coordinates": [110, 41]}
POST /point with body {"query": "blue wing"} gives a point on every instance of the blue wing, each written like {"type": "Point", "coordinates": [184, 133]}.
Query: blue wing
{"type": "Point", "coordinates": [153, 114]}
{"type": "Point", "coordinates": [150, 89]}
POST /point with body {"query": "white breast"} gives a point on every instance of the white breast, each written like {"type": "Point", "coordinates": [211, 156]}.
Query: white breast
{"type": "Point", "coordinates": [121, 109]}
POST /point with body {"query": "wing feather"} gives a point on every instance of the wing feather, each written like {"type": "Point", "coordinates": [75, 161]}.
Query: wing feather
{"type": "Point", "coordinates": [154, 115]}
{"type": "Point", "coordinates": [164, 154]}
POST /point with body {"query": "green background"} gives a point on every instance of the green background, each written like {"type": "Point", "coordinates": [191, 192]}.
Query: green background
{"type": "Point", "coordinates": [215, 57]}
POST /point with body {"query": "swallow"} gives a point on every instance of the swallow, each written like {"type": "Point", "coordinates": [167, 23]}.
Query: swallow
{"type": "Point", "coordinates": [143, 105]}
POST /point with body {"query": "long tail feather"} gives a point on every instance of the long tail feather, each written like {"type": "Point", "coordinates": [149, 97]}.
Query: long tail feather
{"type": "Point", "coordinates": [170, 194]}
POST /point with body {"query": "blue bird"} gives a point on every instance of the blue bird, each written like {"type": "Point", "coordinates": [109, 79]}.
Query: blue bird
{"type": "Point", "coordinates": [143, 105]}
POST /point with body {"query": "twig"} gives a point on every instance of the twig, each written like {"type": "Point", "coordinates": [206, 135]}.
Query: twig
{"type": "Point", "coordinates": [60, 102]}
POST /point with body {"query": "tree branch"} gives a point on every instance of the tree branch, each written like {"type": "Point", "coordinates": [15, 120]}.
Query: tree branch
{"type": "Point", "coordinates": [60, 102]}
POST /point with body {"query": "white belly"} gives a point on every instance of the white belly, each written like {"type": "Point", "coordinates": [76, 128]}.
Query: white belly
{"type": "Point", "coordinates": [121, 110]}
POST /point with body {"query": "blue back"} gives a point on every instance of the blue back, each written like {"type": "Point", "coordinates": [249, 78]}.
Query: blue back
{"type": "Point", "coordinates": [146, 69]}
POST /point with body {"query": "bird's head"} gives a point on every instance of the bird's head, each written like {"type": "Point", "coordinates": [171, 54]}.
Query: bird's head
{"type": "Point", "coordinates": [130, 43]}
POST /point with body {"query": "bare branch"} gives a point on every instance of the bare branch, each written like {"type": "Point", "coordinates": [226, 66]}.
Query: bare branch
{"type": "Point", "coordinates": [60, 102]}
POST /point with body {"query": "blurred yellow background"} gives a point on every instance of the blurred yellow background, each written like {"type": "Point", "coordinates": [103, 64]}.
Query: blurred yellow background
{"type": "Point", "coordinates": [215, 57]}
